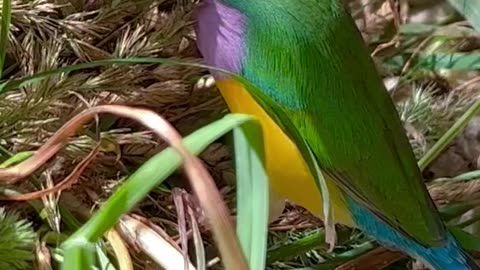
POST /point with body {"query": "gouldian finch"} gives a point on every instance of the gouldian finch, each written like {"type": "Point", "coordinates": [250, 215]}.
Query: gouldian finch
{"type": "Point", "coordinates": [320, 91]}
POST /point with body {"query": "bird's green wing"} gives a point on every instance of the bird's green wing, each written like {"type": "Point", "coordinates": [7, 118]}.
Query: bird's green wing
{"type": "Point", "coordinates": [318, 82]}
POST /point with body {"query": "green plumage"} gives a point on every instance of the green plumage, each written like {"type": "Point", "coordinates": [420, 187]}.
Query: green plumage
{"type": "Point", "coordinates": [323, 88]}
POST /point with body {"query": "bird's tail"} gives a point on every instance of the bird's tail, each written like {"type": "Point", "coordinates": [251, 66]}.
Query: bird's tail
{"type": "Point", "coordinates": [449, 257]}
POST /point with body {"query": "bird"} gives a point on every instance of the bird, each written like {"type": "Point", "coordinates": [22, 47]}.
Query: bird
{"type": "Point", "coordinates": [319, 96]}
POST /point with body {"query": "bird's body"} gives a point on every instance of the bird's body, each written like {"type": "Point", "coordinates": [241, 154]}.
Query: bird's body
{"type": "Point", "coordinates": [289, 174]}
{"type": "Point", "coordinates": [308, 59]}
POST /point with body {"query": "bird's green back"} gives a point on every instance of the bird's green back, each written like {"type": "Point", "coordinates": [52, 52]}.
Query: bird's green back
{"type": "Point", "coordinates": [323, 81]}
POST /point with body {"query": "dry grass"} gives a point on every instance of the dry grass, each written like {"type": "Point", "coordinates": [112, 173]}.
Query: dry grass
{"type": "Point", "coordinates": [47, 34]}
{"type": "Point", "coordinates": [51, 34]}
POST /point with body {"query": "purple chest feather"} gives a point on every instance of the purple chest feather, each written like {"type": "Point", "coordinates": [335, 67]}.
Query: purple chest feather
{"type": "Point", "coordinates": [220, 32]}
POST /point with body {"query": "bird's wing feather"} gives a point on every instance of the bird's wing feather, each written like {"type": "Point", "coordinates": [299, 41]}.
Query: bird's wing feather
{"type": "Point", "coordinates": [317, 81]}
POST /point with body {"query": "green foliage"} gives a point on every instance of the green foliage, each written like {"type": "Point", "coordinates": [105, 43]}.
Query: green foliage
{"type": "Point", "coordinates": [470, 9]}
{"type": "Point", "coordinates": [252, 186]}
{"type": "Point", "coordinates": [252, 193]}
{"type": "Point", "coordinates": [17, 241]}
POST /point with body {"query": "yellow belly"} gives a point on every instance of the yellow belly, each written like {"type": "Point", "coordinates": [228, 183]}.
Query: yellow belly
{"type": "Point", "coordinates": [288, 172]}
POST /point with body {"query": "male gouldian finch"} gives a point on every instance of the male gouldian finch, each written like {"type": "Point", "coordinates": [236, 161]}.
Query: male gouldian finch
{"type": "Point", "coordinates": [321, 91]}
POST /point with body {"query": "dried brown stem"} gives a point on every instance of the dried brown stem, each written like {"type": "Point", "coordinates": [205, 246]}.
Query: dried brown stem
{"type": "Point", "coordinates": [71, 179]}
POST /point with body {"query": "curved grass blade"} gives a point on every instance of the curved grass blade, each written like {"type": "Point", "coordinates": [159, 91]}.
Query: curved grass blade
{"type": "Point", "coordinates": [15, 159]}
{"type": "Point", "coordinates": [154, 172]}
{"type": "Point", "coordinates": [448, 137]}
{"type": "Point", "coordinates": [468, 241]}
{"type": "Point", "coordinates": [450, 61]}
{"type": "Point", "coordinates": [97, 225]}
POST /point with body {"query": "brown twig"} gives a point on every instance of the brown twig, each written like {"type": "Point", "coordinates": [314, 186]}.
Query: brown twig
{"type": "Point", "coordinates": [71, 179]}
{"type": "Point", "coordinates": [395, 7]}
{"type": "Point", "coordinates": [456, 192]}
{"type": "Point", "coordinates": [416, 51]}
{"type": "Point", "coordinates": [182, 223]}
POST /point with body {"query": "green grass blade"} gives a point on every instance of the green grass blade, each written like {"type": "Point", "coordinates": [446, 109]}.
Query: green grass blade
{"type": "Point", "coordinates": [467, 241]}
{"type": "Point", "coordinates": [438, 61]}
{"type": "Point", "coordinates": [139, 184]}
{"type": "Point", "coordinates": [448, 137]}
{"type": "Point", "coordinates": [297, 247]}
{"type": "Point", "coordinates": [15, 159]}
{"type": "Point", "coordinates": [78, 254]}
{"type": "Point", "coordinates": [124, 200]}
{"type": "Point", "coordinates": [470, 9]}
{"type": "Point", "coordinates": [104, 262]}
{"type": "Point", "coordinates": [6, 17]}
{"type": "Point", "coordinates": [156, 170]}
{"type": "Point", "coordinates": [451, 61]}
{"type": "Point", "coordinates": [252, 193]}
{"type": "Point", "coordinates": [464, 177]}
{"type": "Point", "coordinates": [452, 211]}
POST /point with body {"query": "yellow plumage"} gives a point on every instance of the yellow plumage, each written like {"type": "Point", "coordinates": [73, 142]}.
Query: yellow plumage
{"type": "Point", "coordinates": [288, 172]}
